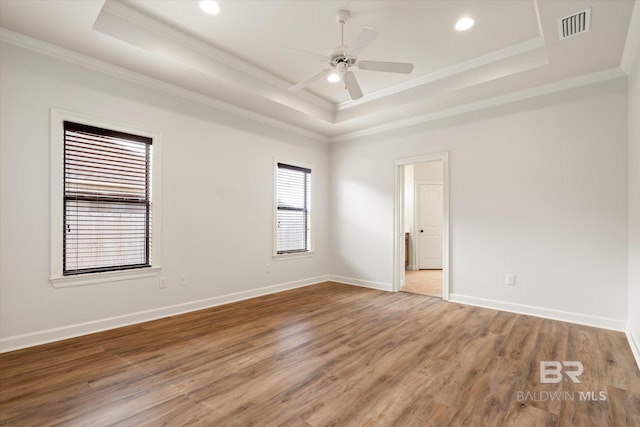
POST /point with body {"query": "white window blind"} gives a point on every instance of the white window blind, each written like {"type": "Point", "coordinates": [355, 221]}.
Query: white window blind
{"type": "Point", "coordinates": [293, 191]}
{"type": "Point", "coordinates": [107, 200]}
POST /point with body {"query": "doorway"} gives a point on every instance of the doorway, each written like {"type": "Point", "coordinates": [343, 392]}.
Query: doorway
{"type": "Point", "coordinates": [423, 282]}
{"type": "Point", "coordinates": [422, 224]}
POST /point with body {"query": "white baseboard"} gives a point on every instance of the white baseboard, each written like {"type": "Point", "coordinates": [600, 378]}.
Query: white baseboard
{"type": "Point", "coordinates": [50, 335]}
{"type": "Point", "coordinates": [547, 313]}
{"type": "Point", "coordinates": [634, 342]}
{"type": "Point", "coordinates": [42, 337]}
{"type": "Point", "coordinates": [363, 283]}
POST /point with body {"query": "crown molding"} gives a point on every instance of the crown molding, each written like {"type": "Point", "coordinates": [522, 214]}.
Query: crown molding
{"type": "Point", "coordinates": [496, 56]}
{"type": "Point", "coordinates": [141, 20]}
{"type": "Point", "coordinates": [39, 46]}
{"type": "Point", "coordinates": [17, 39]}
{"type": "Point", "coordinates": [584, 80]}
{"type": "Point", "coordinates": [631, 53]}
{"type": "Point", "coordinates": [538, 18]}
{"type": "Point", "coordinates": [499, 55]}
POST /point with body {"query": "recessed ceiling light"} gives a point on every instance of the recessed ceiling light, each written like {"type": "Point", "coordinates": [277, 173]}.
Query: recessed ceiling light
{"type": "Point", "coordinates": [334, 77]}
{"type": "Point", "coordinates": [210, 7]}
{"type": "Point", "coordinates": [464, 23]}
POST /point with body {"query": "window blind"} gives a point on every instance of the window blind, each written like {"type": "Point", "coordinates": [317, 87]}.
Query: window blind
{"type": "Point", "coordinates": [107, 200]}
{"type": "Point", "coordinates": [293, 188]}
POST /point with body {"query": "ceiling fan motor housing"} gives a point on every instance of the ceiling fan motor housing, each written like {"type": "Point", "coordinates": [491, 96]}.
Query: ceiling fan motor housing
{"type": "Point", "coordinates": [337, 55]}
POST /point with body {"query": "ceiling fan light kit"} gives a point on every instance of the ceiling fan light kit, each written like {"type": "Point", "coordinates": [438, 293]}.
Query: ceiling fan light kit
{"type": "Point", "coordinates": [334, 77]}
{"type": "Point", "coordinates": [342, 57]}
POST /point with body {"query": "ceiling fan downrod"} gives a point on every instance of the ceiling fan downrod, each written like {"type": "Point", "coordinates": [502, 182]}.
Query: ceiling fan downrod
{"type": "Point", "coordinates": [342, 17]}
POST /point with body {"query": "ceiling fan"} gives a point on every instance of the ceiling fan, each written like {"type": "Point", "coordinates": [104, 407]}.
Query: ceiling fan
{"type": "Point", "coordinates": [342, 57]}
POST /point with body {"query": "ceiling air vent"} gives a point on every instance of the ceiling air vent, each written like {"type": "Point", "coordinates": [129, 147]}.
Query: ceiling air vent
{"type": "Point", "coordinates": [576, 23]}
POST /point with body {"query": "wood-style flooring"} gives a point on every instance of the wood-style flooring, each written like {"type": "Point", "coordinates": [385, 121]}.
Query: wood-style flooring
{"type": "Point", "coordinates": [423, 282]}
{"type": "Point", "coordinates": [328, 354]}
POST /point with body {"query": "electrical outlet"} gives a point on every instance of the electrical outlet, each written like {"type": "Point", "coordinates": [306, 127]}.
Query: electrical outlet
{"type": "Point", "coordinates": [510, 280]}
{"type": "Point", "coordinates": [183, 280]}
{"type": "Point", "coordinates": [267, 268]}
{"type": "Point", "coordinates": [162, 282]}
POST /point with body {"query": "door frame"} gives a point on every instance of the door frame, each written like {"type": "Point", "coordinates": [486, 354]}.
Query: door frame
{"type": "Point", "coordinates": [398, 218]}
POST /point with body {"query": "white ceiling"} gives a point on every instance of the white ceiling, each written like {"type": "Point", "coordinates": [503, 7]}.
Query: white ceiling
{"type": "Point", "coordinates": [235, 59]}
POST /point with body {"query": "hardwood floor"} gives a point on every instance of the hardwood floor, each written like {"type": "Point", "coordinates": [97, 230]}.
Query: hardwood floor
{"type": "Point", "coordinates": [328, 354]}
{"type": "Point", "coordinates": [423, 282]}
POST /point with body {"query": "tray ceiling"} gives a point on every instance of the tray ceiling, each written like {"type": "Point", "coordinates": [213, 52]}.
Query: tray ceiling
{"type": "Point", "coordinates": [236, 57]}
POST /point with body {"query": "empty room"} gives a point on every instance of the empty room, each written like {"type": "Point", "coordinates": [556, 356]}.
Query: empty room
{"type": "Point", "coordinates": [313, 213]}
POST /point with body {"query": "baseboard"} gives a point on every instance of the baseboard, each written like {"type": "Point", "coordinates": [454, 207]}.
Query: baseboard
{"type": "Point", "coordinates": [363, 283]}
{"type": "Point", "coordinates": [50, 335]}
{"type": "Point", "coordinates": [565, 316]}
{"type": "Point", "coordinates": [634, 343]}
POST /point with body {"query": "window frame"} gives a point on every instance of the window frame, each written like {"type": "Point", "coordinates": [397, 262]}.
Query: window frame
{"type": "Point", "coordinates": [57, 278]}
{"type": "Point", "coordinates": [310, 234]}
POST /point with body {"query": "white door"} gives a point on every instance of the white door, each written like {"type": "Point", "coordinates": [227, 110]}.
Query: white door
{"type": "Point", "coordinates": [430, 207]}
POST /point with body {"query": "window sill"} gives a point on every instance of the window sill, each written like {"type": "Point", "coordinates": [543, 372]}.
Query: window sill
{"type": "Point", "coordinates": [295, 255]}
{"type": "Point", "coordinates": [109, 276]}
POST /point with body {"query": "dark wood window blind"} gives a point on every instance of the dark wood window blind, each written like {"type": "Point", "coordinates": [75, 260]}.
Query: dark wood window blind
{"type": "Point", "coordinates": [293, 188]}
{"type": "Point", "coordinates": [107, 200]}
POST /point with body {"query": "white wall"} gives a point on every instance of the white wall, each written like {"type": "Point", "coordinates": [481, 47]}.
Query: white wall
{"type": "Point", "coordinates": [217, 184]}
{"type": "Point", "coordinates": [538, 189]}
{"type": "Point", "coordinates": [634, 201]}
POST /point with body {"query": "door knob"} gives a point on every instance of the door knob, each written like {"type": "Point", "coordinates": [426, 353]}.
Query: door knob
{"type": "Point", "coordinates": [422, 231]}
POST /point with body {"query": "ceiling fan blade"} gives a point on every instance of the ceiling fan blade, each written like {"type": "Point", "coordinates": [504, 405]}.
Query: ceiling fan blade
{"type": "Point", "coordinates": [310, 55]}
{"type": "Point", "coordinates": [352, 85]}
{"type": "Point", "coordinates": [362, 40]}
{"type": "Point", "coordinates": [306, 82]}
{"type": "Point", "coordinates": [389, 67]}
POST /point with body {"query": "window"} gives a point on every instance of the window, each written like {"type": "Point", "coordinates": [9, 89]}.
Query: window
{"type": "Point", "coordinates": [293, 201]}
{"type": "Point", "coordinates": [107, 200]}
